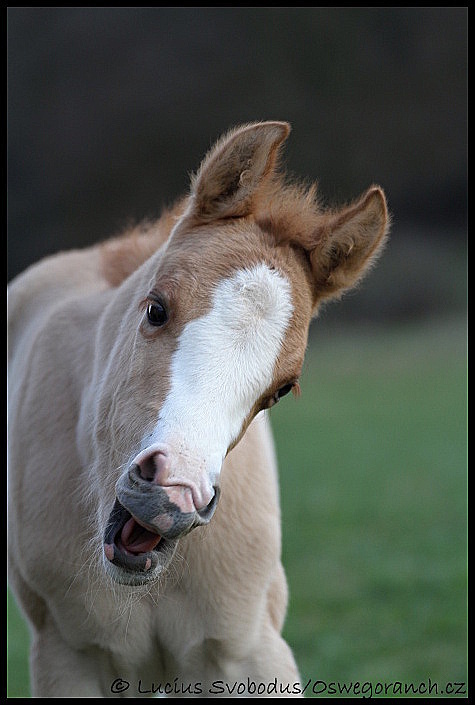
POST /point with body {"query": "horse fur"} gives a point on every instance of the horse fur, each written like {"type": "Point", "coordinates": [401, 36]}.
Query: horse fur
{"type": "Point", "coordinates": [94, 393]}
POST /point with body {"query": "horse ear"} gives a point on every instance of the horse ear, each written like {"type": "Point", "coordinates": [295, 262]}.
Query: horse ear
{"type": "Point", "coordinates": [233, 171]}
{"type": "Point", "coordinates": [348, 242]}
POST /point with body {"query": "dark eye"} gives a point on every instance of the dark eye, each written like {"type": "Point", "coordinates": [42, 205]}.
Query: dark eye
{"type": "Point", "coordinates": [156, 313]}
{"type": "Point", "coordinates": [271, 401]}
{"type": "Point", "coordinates": [283, 391]}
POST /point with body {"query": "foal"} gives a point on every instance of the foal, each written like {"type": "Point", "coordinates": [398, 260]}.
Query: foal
{"type": "Point", "coordinates": [141, 369]}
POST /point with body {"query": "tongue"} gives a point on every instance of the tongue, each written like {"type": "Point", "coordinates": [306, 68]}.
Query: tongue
{"type": "Point", "coordinates": [135, 539]}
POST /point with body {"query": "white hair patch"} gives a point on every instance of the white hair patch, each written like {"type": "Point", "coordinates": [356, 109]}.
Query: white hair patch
{"type": "Point", "coordinates": [223, 363]}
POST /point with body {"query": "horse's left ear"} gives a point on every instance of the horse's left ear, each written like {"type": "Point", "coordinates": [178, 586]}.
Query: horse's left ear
{"type": "Point", "coordinates": [232, 173]}
{"type": "Point", "coordinates": [347, 243]}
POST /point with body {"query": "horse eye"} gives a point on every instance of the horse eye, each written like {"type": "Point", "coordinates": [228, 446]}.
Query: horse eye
{"type": "Point", "coordinates": [279, 394]}
{"type": "Point", "coordinates": [283, 391]}
{"type": "Point", "coordinates": [156, 314]}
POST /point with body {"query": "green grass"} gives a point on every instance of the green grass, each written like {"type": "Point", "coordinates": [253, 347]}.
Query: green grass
{"type": "Point", "coordinates": [18, 684]}
{"type": "Point", "coordinates": [373, 474]}
{"type": "Point", "coordinates": [373, 482]}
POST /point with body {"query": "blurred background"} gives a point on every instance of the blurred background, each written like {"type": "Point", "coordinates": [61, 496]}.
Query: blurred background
{"type": "Point", "coordinates": [110, 109]}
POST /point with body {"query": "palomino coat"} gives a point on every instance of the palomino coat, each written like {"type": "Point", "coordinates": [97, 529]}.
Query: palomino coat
{"type": "Point", "coordinates": [144, 522]}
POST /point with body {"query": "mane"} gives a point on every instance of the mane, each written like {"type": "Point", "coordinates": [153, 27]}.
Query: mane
{"type": "Point", "coordinates": [291, 212]}
{"type": "Point", "coordinates": [288, 212]}
{"type": "Point", "coordinates": [123, 254]}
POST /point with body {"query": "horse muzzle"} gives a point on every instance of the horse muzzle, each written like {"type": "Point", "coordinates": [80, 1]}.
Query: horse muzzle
{"type": "Point", "coordinates": [168, 510]}
{"type": "Point", "coordinates": [154, 508]}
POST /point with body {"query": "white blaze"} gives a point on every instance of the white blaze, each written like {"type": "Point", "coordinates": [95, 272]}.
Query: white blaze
{"type": "Point", "coordinates": [223, 363]}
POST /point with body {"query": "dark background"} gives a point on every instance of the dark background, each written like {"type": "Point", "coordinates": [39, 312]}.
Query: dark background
{"type": "Point", "coordinates": [110, 109]}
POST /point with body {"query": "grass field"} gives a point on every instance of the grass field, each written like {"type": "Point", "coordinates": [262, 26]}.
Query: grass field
{"type": "Point", "coordinates": [374, 504]}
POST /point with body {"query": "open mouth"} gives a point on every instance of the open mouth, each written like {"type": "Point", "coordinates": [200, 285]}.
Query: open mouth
{"type": "Point", "coordinates": [129, 544]}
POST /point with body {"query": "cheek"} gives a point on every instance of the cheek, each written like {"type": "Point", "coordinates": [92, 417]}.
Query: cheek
{"type": "Point", "coordinates": [247, 421]}
{"type": "Point", "coordinates": [147, 372]}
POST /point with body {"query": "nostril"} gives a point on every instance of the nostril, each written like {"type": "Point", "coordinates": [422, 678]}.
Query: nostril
{"type": "Point", "coordinates": [206, 513]}
{"type": "Point", "coordinates": [147, 469]}
{"type": "Point", "coordinates": [153, 466]}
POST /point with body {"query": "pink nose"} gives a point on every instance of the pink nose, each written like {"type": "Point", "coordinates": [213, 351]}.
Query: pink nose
{"type": "Point", "coordinates": [155, 466]}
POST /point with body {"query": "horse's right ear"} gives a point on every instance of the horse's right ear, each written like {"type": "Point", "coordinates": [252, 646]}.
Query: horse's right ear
{"type": "Point", "coordinates": [233, 171]}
